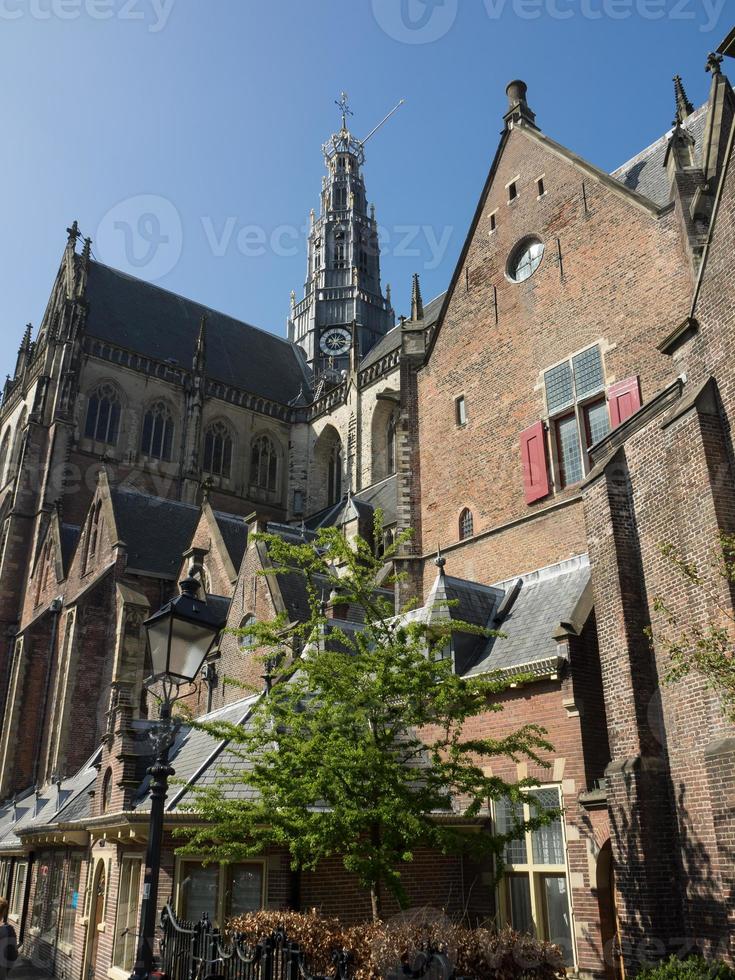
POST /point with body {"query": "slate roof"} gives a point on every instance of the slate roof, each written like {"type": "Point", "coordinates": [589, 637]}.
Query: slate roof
{"type": "Point", "coordinates": [363, 504]}
{"type": "Point", "coordinates": [234, 533]}
{"type": "Point", "coordinates": [156, 531]}
{"type": "Point", "coordinates": [49, 808]}
{"type": "Point", "coordinates": [144, 318]}
{"type": "Point", "coordinates": [646, 173]}
{"type": "Point", "coordinates": [545, 599]}
{"type": "Point", "coordinates": [192, 755]}
{"type": "Point", "coordinates": [392, 340]}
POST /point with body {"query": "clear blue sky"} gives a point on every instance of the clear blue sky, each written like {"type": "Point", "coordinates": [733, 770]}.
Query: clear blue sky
{"type": "Point", "coordinates": [209, 115]}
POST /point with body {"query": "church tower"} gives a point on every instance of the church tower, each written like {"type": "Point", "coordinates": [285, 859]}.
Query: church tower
{"type": "Point", "coordinates": [342, 292]}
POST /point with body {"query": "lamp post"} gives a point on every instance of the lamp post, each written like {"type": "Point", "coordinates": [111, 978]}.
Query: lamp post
{"type": "Point", "coordinates": [180, 635]}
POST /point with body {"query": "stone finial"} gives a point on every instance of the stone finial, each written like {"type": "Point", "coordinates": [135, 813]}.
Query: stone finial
{"type": "Point", "coordinates": [714, 60]}
{"type": "Point", "coordinates": [387, 294]}
{"type": "Point", "coordinates": [26, 342]}
{"type": "Point", "coordinates": [519, 112]}
{"type": "Point", "coordinates": [86, 251]}
{"type": "Point", "coordinates": [684, 107]}
{"type": "Point", "coordinates": [73, 234]}
{"type": "Point", "coordinates": [440, 561]}
{"type": "Point", "coordinates": [417, 303]}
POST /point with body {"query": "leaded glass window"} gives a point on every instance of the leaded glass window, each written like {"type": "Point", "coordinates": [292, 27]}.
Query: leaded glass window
{"type": "Point", "coordinates": [264, 464]}
{"type": "Point", "coordinates": [218, 450]}
{"type": "Point", "coordinates": [103, 415]}
{"type": "Point", "coordinates": [158, 432]}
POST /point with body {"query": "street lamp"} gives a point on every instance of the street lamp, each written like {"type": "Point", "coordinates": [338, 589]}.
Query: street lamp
{"type": "Point", "coordinates": [180, 635]}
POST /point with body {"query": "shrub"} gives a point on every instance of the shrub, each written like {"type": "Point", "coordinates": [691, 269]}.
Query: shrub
{"type": "Point", "coordinates": [378, 950]}
{"type": "Point", "coordinates": [691, 968]}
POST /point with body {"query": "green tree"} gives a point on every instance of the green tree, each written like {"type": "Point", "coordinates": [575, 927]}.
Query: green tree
{"type": "Point", "coordinates": [706, 649]}
{"type": "Point", "coordinates": [360, 748]}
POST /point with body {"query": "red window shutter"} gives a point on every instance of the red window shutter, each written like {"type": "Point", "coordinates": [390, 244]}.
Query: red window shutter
{"type": "Point", "coordinates": [535, 463]}
{"type": "Point", "coordinates": [624, 398]}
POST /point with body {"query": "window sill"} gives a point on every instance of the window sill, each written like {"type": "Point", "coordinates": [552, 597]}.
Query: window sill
{"type": "Point", "coordinates": [66, 948]}
{"type": "Point", "coordinates": [115, 973]}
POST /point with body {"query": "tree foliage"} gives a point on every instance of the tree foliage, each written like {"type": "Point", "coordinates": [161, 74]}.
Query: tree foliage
{"type": "Point", "coordinates": [706, 649]}
{"type": "Point", "coordinates": [362, 748]}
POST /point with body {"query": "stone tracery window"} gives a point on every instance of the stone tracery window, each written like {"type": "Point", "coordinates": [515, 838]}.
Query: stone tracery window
{"type": "Point", "coordinates": [158, 432]}
{"type": "Point", "coordinates": [390, 444]}
{"type": "Point", "coordinates": [103, 415]}
{"type": "Point", "coordinates": [218, 450]}
{"type": "Point", "coordinates": [334, 475]}
{"type": "Point", "coordinates": [264, 464]}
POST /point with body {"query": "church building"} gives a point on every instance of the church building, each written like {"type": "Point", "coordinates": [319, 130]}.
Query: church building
{"type": "Point", "coordinates": [557, 421]}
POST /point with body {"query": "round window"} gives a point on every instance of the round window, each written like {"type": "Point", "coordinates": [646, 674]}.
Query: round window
{"type": "Point", "coordinates": [525, 259]}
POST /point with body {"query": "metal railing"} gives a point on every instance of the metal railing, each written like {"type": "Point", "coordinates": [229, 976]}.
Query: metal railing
{"type": "Point", "coordinates": [199, 951]}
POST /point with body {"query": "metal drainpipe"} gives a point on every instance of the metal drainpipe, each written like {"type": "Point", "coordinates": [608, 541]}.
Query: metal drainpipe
{"type": "Point", "coordinates": [55, 607]}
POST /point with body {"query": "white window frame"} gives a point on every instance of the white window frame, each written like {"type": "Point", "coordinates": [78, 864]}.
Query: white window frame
{"type": "Point", "coordinates": [19, 890]}
{"type": "Point", "coordinates": [536, 873]}
{"type": "Point", "coordinates": [131, 858]}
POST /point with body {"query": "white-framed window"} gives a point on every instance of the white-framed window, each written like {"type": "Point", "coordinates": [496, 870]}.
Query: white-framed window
{"type": "Point", "coordinates": [219, 890]}
{"type": "Point", "coordinates": [577, 411]}
{"type": "Point", "coordinates": [126, 919]}
{"type": "Point", "coordinates": [534, 894]}
{"type": "Point", "coordinates": [70, 905]}
{"type": "Point", "coordinates": [19, 889]}
{"type": "Point", "coordinates": [460, 410]}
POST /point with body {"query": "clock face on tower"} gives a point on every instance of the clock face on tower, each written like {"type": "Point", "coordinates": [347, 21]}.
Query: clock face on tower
{"type": "Point", "coordinates": [335, 341]}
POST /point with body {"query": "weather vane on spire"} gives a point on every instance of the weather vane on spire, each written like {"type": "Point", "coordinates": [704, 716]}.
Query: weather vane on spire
{"type": "Point", "coordinates": [343, 105]}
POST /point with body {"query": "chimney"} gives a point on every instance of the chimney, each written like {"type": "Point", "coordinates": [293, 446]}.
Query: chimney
{"type": "Point", "coordinates": [519, 113]}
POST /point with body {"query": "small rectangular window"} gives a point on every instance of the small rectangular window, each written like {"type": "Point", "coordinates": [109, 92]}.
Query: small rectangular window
{"type": "Point", "coordinates": [461, 410]}
{"type": "Point", "coordinates": [493, 221]}
{"type": "Point", "coordinates": [559, 385]}
{"type": "Point", "coordinates": [540, 185]}
{"type": "Point", "coordinates": [596, 422]}
{"type": "Point", "coordinates": [588, 373]}
{"type": "Point", "coordinates": [512, 191]}
{"type": "Point", "coordinates": [19, 889]}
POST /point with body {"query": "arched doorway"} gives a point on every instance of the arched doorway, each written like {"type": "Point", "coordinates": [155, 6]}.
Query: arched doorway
{"type": "Point", "coordinates": [610, 932]}
{"type": "Point", "coordinates": [96, 918]}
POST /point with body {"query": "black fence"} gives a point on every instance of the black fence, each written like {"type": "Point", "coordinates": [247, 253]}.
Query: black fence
{"type": "Point", "coordinates": [199, 951]}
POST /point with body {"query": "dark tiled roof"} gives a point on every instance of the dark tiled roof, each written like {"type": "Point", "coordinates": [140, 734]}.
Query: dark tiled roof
{"type": "Point", "coordinates": [234, 533]}
{"type": "Point", "coordinates": [156, 323]}
{"type": "Point", "coordinates": [156, 531]}
{"type": "Point", "coordinates": [362, 504]}
{"type": "Point", "coordinates": [392, 340]}
{"type": "Point", "coordinates": [49, 807]}
{"type": "Point", "coordinates": [546, 598]}
{"type": "Point", "coordinates": [646, 173]}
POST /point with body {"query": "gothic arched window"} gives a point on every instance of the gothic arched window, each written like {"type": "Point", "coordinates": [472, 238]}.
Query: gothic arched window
{"type": "Point", "coordinates": [247, 642]}
{"type": "Point", "coordinates": [466, 524]}
{"type": "Point", "coordinates": [106, 791]}
{"type": "Point", "coordinates": [390, 444]}
{"type": "Point", "coordinates": [103, 415]}
{"type": "Point", "coordinates": [264, 464]}
{"type": "Point", "coordinates": [158, 432]}
{"type": "Point", "coordinates": [4, 449]}
{"type": "Point", "coordinates": [334, 475]}
{"type": "Point", "coordinates": [218, 450]}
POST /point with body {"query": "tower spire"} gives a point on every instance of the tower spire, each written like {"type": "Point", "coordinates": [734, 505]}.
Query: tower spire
{"type": "Point", "coordinates": [684, 107]}
{"type": "Point", "coordinates": [417, 303]}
